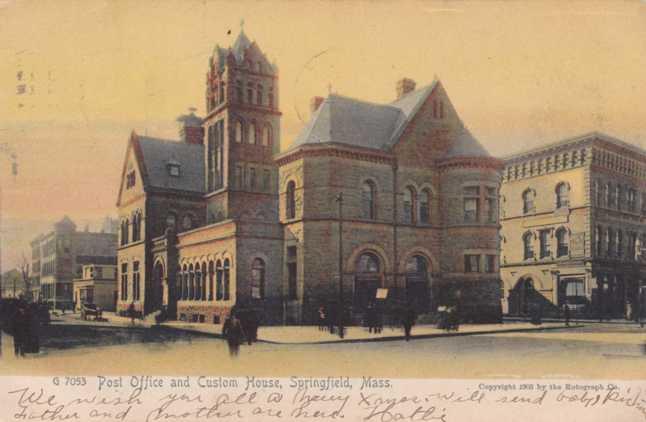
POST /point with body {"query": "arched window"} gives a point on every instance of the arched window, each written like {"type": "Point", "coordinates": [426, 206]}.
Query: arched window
{"type": "Point", "coordinates": [191, 282]}
{"type": "Point", "coordinates": [187, 222]}
{"type": "Point", "coordinates": [425, 207]}
{"type": "Point", "coordinates": [368, 263]}
{"type": "Point", "coordinates": [197, 293]}
{"type": "Point", "coordinates": [171, 220]}
{"type": "Point", "coordinates": [562, 242]}
{"type": "Point", "coordinates": [528, 246]}
{"type": "Point", "coordinates": [598, 238]}
{"type": "Point", "coordinates": [618, 196]}
{"type": "Point", "coordinates": [252, 133]}
{"type": "Point", "coordinates": [367, 280]}
{"type": "Point", "coordinates": [259, 94]}
{"type": "Point", "coordinates": [417, 286]}
{"type": "Point", "coordinates": [266, 135]}
{"type": "Point", "coordinates": [239, 94]}
{"type": "Point", "coordinates": [259, 67]}
{"type": "Point", "coordinates": [225, 280]}
{"type": "Point", "coordinates": [368, 198]}
{"type": "Point", "coordinates": [124, 232]}
{"type": "Point", "coordinates": [409, 203]}
{"type": "Point", "coordinates": [219, 292]}
{"type": "Point", "coordinates": [610, 195]}
{"type": "Point", "coordinates": [211, 271]}
{"type": "Point", "coordinates": [184, 287]}
{"type": "Point", "coordinates": [290, 200]}
{"type": "Point", "coordinates": [528, 201]}
{"type": "Point", "coordinates": [239, 131]}
{"type": "Point", "coordinates": [270, 99]}
{"type": "Point", "coordinates": [562, 195]}
{"type": "Point", "coordinates": [610, 240]}
{"type": "Point", "coordinates": [221, 97]}
{"type": "Point", "coordinates": [258, 279]}
{"type": "Point", "coordinates": [250, 93]}
{"type": "Point", "coordinates": [136, 233]}
{"type": "Point", "coordinates": [204, 281]}
{"type": "Point", "coordinates": [619, 244]}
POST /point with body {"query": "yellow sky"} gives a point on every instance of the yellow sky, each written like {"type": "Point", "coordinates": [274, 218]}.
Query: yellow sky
{"type": "Point", "coordinates": [519, 73]}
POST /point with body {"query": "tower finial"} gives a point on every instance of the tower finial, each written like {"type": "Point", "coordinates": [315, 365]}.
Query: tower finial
{"type": "Point", "coordinates": [242, 25]}
{"type": "Point", "coordinates": [329, 88]}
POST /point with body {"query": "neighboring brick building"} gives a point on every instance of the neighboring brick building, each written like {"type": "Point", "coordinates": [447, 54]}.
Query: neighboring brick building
{"type": "Point", "coordinates": [572, 217]}
{"type": "Point", "coordinates": [222, 218]}
{"type": "Point", "coordinates": [58, 257]}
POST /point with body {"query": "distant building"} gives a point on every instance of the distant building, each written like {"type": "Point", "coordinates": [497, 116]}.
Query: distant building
{"type": "Point", "coordinates": [97, 285]}
{"type": "Point", "coordinates": [13, 285]}
{"type": "Point", "coordinates": [572, 217]}
{"type": "Point", "coordinates": [222, 218]}
{"type": "Point", "coordinates": [58, 257]}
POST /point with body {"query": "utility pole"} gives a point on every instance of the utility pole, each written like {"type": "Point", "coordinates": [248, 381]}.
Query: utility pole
{"type": "Point", "coordinates": [340, 309]}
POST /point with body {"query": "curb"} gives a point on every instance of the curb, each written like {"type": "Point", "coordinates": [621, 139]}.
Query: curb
{"type": "Point", "coordinates": [425, 336]}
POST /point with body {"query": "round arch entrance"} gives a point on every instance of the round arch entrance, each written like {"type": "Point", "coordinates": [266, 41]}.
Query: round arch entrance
{"type": "Point", "coordinates": [522, 296]}
{"type": "Point", "coordinates": [418, 293]}
{"type": "Point", "coordinates": [367, 279]}
{"type": "Point", "coordinates": [157, 290]}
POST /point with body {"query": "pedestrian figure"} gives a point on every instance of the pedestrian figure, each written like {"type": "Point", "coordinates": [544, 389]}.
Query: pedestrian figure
{"type": "Point", "coordinates": [20, 328]}
{"type": "Point", "coordinates": [371, 318]}
{"type": "Point", "coordinates": [131, 313]}
{"type": "Point", "coordinates": [322, 318]}
{"type": "Point", "coordinates": [34, 329]}
{"type": "Point", "coordinates": [408, 320]}
{"type": "Point", "coordinates": [331, 318]}
{"type": "Point", "coordinates": [234, 333]}
{"type": "Point", "coordinates": [566, 313]}
{"type": "Point", "coordinates": [250, 324]}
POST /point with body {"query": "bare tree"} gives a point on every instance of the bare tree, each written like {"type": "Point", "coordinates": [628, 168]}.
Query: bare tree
{"type": "Point", "coordinates": [24, 272]}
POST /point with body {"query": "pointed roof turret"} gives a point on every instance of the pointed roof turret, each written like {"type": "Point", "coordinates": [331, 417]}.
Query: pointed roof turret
{"type": "Point", "coordinates": [241, 44]}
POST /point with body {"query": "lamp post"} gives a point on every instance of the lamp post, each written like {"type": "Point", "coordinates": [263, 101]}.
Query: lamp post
{"type": "Point", "coordinates": [6, 149]}
{"type": "Point", "coordinates": [340, 309]}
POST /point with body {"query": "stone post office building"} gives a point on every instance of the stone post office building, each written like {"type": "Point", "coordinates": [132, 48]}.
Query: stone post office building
{"type": "Point", "coordinates": [222, 217]}
{"type": "Point", "coordinates": [572, 216]}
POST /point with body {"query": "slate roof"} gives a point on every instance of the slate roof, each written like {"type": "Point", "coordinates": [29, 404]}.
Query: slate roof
{"type": "Point", "coordinates": [240, 46]}
{"type": "Point", "coordinates": [159, 153]}
{"type": "Point", "coordinates": [358, 123]}
{"type": "Point", "coordinates": [238, 49]}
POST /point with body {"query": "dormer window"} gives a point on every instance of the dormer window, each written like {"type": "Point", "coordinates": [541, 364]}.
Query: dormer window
{"type": "Point", "coordinates": [130, 179]}
{"type": "Point", "coordinates": [173, 169]}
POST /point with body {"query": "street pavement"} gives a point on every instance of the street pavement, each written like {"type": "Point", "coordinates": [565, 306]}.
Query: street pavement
{"type": "Point", "coordinates": [312, 335]}
{"type": "Point", "coordinates": [606, 351]}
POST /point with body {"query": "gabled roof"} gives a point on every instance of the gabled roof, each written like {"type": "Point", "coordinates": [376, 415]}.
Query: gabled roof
{"type": "Point", "coordinates": [158, 153]}
{"type": "Point", "coordinates": [379, 126]}
{"type": "Point", "coordinates": [466, 145]}
{"type": "Point", "coordinates": [352, 122]}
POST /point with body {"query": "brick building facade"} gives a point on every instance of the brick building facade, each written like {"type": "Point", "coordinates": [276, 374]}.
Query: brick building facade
{"type": "Point", "coordinates": [59, 255]}
{"type": "Point", "coordinates": [572, 216]}
{"type": "Point", "coordinates": [222, 217]}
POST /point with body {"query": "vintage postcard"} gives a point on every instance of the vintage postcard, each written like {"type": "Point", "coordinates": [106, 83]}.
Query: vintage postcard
{"type": "Point", "coordinates": [361, 211]}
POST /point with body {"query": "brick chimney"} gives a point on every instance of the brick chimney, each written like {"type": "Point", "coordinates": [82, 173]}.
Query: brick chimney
{"type": "Point", "coordinates": [404, 86]}
{"type": "Point", "coordinates": [190, 128]}
{"type": "Point", "coordinates": [315, 103]}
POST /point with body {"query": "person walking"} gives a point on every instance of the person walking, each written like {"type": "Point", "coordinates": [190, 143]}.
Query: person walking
{"type": "Point", "coordinates": [234, 333]}
{"type": "Point", "coordinates": [566, 313]}
{"type": "Point", "coordinates": [408, 321]}
{"type": "Point", "coordinates": [322, 318]}
{"type": "Point", "coordinates": [131, 313]}
{"type": "Point", "coordinates": [20, 328]}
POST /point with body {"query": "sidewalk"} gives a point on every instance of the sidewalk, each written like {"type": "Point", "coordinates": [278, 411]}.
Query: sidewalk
{"type": "Point", "coordinates": [312, 335]}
